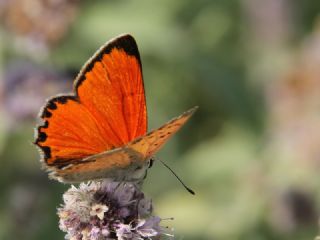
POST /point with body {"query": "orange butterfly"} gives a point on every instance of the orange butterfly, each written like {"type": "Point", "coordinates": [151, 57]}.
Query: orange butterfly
{"type": "Point", "coordinates": [100, 131]}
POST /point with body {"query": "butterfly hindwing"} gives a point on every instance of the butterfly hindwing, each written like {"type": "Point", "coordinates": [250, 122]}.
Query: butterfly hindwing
{"type": "Point", "coordinates": [118, 164]}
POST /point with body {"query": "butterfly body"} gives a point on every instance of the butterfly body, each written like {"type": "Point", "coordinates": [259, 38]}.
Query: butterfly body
{"type": "Point", "coordinates": [100, 131]}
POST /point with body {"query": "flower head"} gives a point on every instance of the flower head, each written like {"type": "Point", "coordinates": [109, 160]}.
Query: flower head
{"type": "Point", "coordinates": [108, 210]}
{"type": "Point", "coordinates": [99, 210]}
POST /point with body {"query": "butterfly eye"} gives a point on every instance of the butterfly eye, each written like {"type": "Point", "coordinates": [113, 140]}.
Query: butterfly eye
{"type": "Point", "coordinates": [151, 162]}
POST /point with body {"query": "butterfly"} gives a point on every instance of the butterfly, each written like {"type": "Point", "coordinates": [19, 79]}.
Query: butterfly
{"type": "Point", "coordinates": [100, 130]}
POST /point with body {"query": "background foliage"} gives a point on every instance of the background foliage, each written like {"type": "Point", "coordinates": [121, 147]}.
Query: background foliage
{"type": "Point", "coordinates": [251, 152]}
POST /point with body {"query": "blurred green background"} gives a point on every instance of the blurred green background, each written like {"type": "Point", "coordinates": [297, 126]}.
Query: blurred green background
{"type": "Point", "coordinates": [251, 152]}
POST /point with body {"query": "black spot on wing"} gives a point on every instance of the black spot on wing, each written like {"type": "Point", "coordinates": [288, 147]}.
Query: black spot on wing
{"type": "Point", "coordinates": [62, 99]}
{"type": "Point", "coordinates": [45, 113]}
{"type": "Point", "coordinates": [51, 104]}
{"type": "Point", "coordinates": [45, 125]}
{"type": "Point", "coordinates": [41, 137]}
{"type": "Point", "coordinates": [47, 152]}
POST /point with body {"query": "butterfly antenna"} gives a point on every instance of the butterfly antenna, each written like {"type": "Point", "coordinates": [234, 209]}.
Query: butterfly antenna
{"type": "Point", "coordinates": [184, 185]}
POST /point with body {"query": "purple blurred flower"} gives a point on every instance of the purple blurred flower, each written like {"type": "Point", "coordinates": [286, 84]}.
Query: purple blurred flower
{"type": "Point", "coordinates": [108, 210]}
{"type": "Point", "coordinates": [26, 85]}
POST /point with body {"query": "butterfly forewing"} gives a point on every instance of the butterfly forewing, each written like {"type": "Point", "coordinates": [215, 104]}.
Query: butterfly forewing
{"type": "Point", "coordinates": [107, 110]}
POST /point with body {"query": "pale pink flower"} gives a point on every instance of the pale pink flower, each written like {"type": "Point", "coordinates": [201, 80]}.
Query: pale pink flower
{"type": "Point", "coordinates": [108, 210]}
